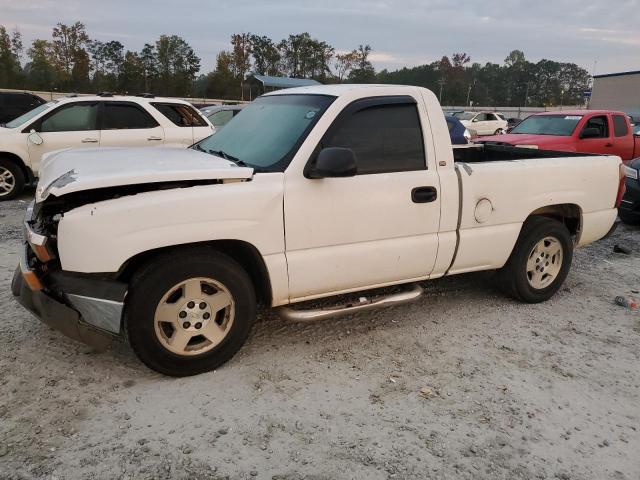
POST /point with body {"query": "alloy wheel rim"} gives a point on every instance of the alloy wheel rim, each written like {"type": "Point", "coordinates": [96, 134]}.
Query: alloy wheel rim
{"type": "Point", "coordinates": [194, 316]}
{"type": "Point", "coordinates": [7, 181]}
{"type": "Point", "coordinates": [544, 262]}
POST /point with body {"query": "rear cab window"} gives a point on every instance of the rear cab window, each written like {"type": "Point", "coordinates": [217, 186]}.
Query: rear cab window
{"type": "Point", "coordinates": [180, 114]}
{"type": "Point", "coordinates": [620, 128]}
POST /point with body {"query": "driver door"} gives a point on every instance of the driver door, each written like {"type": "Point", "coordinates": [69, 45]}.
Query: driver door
{"type": "Point", "coordinates": [69, 126]}
{"type": "Point", "coordinates": [377, 227]}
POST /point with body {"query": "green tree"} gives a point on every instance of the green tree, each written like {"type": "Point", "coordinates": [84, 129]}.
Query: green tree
{"type": "Point", "coordinates": [40, 72]}
{"type": "Point", "coordinates": [10, 51]}
{"type": "Point", "coordinates": [177, 65]}
{"type": "Point", "coordinates": [363, 72]}
{"type": "Point", "coordinates": [265, 54]}
{"type": "Point", "coordinates": [69, 48]}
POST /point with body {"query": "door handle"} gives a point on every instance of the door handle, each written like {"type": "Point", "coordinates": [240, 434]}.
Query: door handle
{"type": "Point", "coordinates": [89, 140]}
{"type": "Point", "coordinates": [608, 144]}
{"type": "Point", "coordinates": [154, 138]}
{"type": "Point", "coordinates": [424, 194]}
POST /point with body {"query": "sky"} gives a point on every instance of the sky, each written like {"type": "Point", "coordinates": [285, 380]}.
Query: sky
{"type": "Point", "coordinates": [401, 32]}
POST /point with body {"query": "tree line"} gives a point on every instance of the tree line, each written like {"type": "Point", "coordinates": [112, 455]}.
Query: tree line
{"type": "Point", "coordinates": [71, 61]}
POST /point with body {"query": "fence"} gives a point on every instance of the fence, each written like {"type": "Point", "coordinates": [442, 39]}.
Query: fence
{"type": "Point", "coordinates": [508, 112]}
{"type": "Point", "coordinates": [53, 95]}
{"type": "Point", "coordinates": [513, 112]}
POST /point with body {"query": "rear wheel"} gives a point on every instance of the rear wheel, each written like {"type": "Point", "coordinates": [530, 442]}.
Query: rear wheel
{"type": "Point", "coordinates": [11, 179]}
{"type": "Point", "coordinates": [498, 132]}
{"type": "Point", "coordinates": [540, 261]}
{"type": "Point", "coordinates": [189, 312]}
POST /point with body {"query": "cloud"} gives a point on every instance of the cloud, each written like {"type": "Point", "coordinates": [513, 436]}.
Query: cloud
{"type": "Point", "coordinates": [401, 32]}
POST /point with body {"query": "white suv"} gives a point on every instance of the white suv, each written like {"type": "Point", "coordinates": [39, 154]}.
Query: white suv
{"type": "Point", "coordinates": [96, 121]}
{"type": "Point", "coordinates": [485, 123]}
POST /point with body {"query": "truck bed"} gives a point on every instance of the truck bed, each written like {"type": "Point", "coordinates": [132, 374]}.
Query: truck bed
{"type": "Point", "coordinates": [488, 152]}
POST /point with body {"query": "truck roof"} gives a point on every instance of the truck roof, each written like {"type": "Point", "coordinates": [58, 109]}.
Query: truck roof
{"type": "Point", "coordinates": [337, 89]}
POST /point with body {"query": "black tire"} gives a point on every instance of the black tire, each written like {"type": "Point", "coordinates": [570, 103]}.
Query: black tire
{"type": "Point", "coordinates": [498, 132]}
{"type": "Point", "coordinates": [18, 179]}
{"type": "Point", "coordinates": [629, 219]}
{"type": "Point", "coordinates": [513, 279]}
{"type": "Point", "coordinates": [154, 279]}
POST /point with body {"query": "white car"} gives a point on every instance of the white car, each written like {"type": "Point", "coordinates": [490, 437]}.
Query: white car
{"type": "Point", "coordinates": [484, 123]}
{"type": "Point", "coordinates": [354, 187]}
{"type": "Point", "coordinates": [94, 121]}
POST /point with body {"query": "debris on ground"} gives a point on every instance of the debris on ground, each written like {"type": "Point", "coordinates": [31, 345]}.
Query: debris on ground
{"type": "Point", "coordinates": [621, 249]}
{"type": "Point", "coordinates": [627, 302]}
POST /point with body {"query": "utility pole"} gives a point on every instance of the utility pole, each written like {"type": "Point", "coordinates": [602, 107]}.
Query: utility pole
{"type": "Point", "coordinates": [442, 81]}
{"type": "Point", "coordinates": [526, 96]}
{"type": "Point", "coordinates": [471, 85]}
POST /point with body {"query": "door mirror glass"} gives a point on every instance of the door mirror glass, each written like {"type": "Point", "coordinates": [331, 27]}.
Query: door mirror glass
{"type": "Point", "coordinates": [590, 132]}
{"type": "Point", "coordinates": [35, 138]}
{"type": "Point", "coordinates": [335, 162]}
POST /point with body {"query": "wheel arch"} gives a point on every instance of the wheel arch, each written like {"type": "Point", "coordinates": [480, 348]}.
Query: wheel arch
{"type": "Point", "coordinates": [28, 173]}
{"type": "Point", "coordinates": [246, 254]}
{"type": "Point", "coordinates": [569, 214]}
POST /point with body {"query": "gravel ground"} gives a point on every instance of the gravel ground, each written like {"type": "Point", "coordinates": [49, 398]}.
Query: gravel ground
{"type": "Point", "coordinates": [463, 384]}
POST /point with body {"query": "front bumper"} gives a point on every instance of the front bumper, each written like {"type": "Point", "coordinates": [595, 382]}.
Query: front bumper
{"type": "Point", "coordinates": [56, 314]}
{"type": "Point", "coordinates": [87, 308]}
{"type": "Point", "coordinates": [630, 204]}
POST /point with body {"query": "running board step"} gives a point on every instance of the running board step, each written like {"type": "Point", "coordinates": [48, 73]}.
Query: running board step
{"type": "Point", "coordinates": [363, 303]}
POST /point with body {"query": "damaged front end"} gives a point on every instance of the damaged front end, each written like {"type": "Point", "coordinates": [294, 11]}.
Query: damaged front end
{"type": "Point", "coordinates": [87, 308]}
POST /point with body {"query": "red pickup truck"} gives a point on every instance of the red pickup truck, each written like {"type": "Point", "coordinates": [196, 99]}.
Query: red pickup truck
{"type": "Point", "coordinates": [585, 131]}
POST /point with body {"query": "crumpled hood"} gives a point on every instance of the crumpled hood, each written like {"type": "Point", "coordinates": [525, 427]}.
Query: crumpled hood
{"type": "Point", "coordinates": [73, 170]}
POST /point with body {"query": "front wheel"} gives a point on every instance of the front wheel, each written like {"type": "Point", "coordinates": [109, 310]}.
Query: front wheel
{"type": "Point", "coordinates": [540, 261]}
{"type": "Point", "coordinates": [11, 180]}
{"type": "Point", "coordinates": [189, 312]}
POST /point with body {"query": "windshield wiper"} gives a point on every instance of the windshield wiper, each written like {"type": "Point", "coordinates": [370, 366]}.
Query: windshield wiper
{"type": "Point", "coordinates": [226, 156]}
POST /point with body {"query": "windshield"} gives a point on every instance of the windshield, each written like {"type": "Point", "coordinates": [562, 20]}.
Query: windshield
{"type": "Point", "coordinates": [25, 117]}
{"type": "Point", "coordinates": [560, 125]}
{"type": "Point", "coordinates": [464, 115]}
{"type": "Point", "coordinates": [265, 134]}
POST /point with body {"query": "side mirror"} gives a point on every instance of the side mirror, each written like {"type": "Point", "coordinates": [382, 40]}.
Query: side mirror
{"type": "Point", "coordinates": [35, 138]}
{"type": "Point", "coordinates": [334, 162]}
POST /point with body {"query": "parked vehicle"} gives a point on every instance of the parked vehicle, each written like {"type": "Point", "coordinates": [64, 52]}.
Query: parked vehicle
{"type": "Point", "coordinates": [585, 131]}
{"type": "Point", "coordinates": [104, 121]}
{"type": "Point", "coordinates": [14, 104]}
{"type": "Point", "coordinates": [354, 187]}
{"type": "Point", "coordinates": [458, 133]}
{"type": "Point", "coordinates": [629, 210]}
{"type": "Point", "coordinates": [220, 116]}
{"type": "Point", "coordinates": [485, 123]}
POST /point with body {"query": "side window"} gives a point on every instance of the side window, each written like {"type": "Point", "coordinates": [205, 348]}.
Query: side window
{"type": "Point", "coordinates": [121, 116]}
{"type": "Point", "coordinates": [600, 123]}
{"type": "Point", "coordinates": [221, 117]}
{"type": "Point", "coordinates": [71, 118]}
{"type": "Point", "coordinates": [385, 138]}
{"type": "Point", "coordinates": [620, 126]}
{"type": "Point", "coordinates": [180, 114]}
{"type": "Point", "coordinates": [491, 117]}
{"type": "Point", "coordinates": [481, 117]}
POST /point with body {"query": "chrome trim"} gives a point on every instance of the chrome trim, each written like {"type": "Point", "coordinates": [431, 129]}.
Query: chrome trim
{"type": "Point", "coordinates": [34, 238]}
{"type": "Point", "coordinates": [101, 313]}
{"type": "Point", "coordinates": [364, 303]}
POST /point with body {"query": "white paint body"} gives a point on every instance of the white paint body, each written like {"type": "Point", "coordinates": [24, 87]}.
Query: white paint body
{"type": "Point", "coordinates": [321, 237]}
{"type": "Point", "coordinates": [15, 141]}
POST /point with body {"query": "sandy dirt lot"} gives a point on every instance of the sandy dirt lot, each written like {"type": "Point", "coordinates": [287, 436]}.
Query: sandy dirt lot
{"type": "Point", "coordinates": [509, 391]}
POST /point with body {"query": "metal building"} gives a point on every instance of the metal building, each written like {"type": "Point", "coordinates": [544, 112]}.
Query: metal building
{"type": "Point", "coordinates": [617, 91]}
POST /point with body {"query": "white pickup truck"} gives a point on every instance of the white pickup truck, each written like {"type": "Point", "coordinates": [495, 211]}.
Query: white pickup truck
{"type": "Point", "coordinates": [307, 193]}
